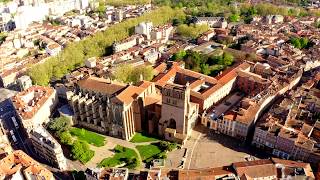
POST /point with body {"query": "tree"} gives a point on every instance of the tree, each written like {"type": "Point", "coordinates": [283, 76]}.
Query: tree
{"type": "Point", "coordinates": [80, 150]}
{"type": "Point", "coordinates": [131, 162]}
{"type": "Point", "coordinates": [101, 8]}
{"type": "Point", "coordinates": [205, 69]}
{"type": "Point", "coordinates": [98, 45]}
{"type": "Point", "coordinates": [300, 43]}
{"type": "Point", "coordinates": [60, 124]}
{"type": "Point", "coordinates": [176, 22]}
{"type": "Point", "coordinates": [122, 72]}
{"type": "Point", "coordinates": [234, 18]}
{"type": "Point", "coordinates": [192, 30]}
{"type": "Point", "coordinates": [167, 146]}
{"type": "Point", "coordinates": [127, 73]}
{"type": "Point", "coordinates": [227, 58]}
{"type": "Point", "coordinates": [66, 138]}
{"type": "Point", "coordinates": [126, 2]}
{"type": "Point", "coordinates": [179, 55]}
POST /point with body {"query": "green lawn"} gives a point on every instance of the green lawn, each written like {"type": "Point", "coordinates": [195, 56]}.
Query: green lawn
{"type": "Point", "coordinates": [122, 155]}
{"type": "Point", "coordinates": [141, 137]}
{"type": "Point", "coordinates": [88, 136]}
{"type": "Point", "coordinates": [148, 152]}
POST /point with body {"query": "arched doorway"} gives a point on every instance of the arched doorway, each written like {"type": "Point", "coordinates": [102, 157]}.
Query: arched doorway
{"type": "Point", "coordinates": [172, 124]}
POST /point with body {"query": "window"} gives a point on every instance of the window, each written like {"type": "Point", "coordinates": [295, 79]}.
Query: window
{"type": "Point", "coordinates": [168, 100]}
{"type": "Point", "coordinates": [174, 102]}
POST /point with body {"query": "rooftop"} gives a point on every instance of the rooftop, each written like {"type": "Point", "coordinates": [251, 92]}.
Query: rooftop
{"type": "Point", "coordinates": [101, 85]}
{"type": "Point", "coordinates": [28, 102]}
{"type": "Point", "coordinates": [19, 161]}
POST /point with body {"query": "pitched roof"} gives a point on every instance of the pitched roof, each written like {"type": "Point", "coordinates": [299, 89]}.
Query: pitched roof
{"type": "Point", "coordinates": [129, 94]}
{"type": "Point", "coordinates": [101, 85]}
{"type": "Point", "coordinates": [18, 160]}
{"type": "Point", "coordinates": [256, 169]}
{"type": "Point", "coordinates": [28, 102]}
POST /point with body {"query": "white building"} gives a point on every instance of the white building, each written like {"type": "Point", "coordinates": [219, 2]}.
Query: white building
{"type": "Point", "coordinates": [213, 22]}
{"type": "Point", "coordinates": [144, 28]}
{"type": "Point", "coordinates": [91, 62]}
{"type": "Point", "coordinates": [24, 82]}
{"type": "Point", "coordinates": [25, 15]}
{"type": "Point", "coordinates": [48, 148]}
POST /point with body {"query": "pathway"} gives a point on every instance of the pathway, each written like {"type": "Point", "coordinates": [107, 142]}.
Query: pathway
{"type": "Point", "coordinates": [106, 150]}
{"type": "Point", "coordinates": [190, 145]}
{"type": "Point", "coordinates": [101, 153]}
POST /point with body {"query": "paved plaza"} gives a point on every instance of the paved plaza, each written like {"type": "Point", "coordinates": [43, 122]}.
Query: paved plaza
{"type": "Point", "coordinates": [207, 149]}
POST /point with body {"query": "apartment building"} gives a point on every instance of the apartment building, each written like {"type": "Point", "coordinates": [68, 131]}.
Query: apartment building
{"type": "Point", "coordinates": [144, 28]}
{"type": "Point", "coordinates": [48, 148]}
{"type": "Point", "coordinates": [5, 146]}
{"type": "Point", "coordinates": [267, 169]}
{"type": "Point", "coordinates": [24, 82]}
{"type": "Point", "coordinates": [260, 86]}
{"type": "Point", "coordinates": [34, 105]}
{"type": "Point", "coordinates": [18, 165]}
{"type": "Point", "coordinates": [213, 22]}
{"type": "Point", "coordinates": [234, 116]}
{"type": "Point", "coordinates": [288, 129]}
{"type": "Point", "coordinates": [127, 43]}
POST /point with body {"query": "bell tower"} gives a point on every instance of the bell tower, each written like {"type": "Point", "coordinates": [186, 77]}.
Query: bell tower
{"type": "Point", "coordinates": [175, 104]}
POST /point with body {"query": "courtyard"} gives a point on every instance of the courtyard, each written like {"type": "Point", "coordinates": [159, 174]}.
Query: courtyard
{"type": "Point", "coordinates": [206, 149]}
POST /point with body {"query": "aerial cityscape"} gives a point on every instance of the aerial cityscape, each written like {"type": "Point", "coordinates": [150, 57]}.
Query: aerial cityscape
{"type": "Point", "coordinates": [159, 89]}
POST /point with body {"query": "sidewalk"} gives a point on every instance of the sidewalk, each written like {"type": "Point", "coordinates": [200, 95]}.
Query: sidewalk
{"type": "Point", "coordinates": [190, 145]}
{"type": "Point", "coordinates": [106, 150]}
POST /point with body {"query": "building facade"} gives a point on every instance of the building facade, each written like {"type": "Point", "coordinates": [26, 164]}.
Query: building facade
{"type": "Point", "coordinates": [48, 148]}
{"type": "Point", "coordinates": [178, 113]}
{"type": "Point", "coordinates": [34, 106]}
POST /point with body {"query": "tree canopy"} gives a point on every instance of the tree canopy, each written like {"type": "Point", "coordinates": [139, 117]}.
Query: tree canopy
{"type": "Point", "coordinates": [60, 124]}
{"type": "Point", "coordinates": [192, 30]}
{"type": "Point", "coordinates": [127, 73]}
{"type": "Point", "coordinates": [66, 138]}
{"type": "Point", "coordinates": [300, 43]}
{"type": "Point", "coordinates": [206, 64]}
{"type": "Point", "coordinates": [80, 150]}
{"type": "Point", "coordinates": [3, 37]}
{"type": "Point", "coordinates": [126, 2]}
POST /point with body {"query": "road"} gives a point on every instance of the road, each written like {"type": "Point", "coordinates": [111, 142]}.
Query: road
{"type": "Point", "coordinates": [7, 111]}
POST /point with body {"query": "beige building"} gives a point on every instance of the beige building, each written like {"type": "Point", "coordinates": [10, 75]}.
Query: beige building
{"type": "Point", "coordinates": [5, 146]}
{"type": "Point", "coordinates": [34, 105]}
{"type": "Point", "coordinates": [178, 113]}
{"type": "Point", "coordinates": [18, 165]}
{"type": "Point", "coordinates": [48, 148]}
{"type": "Point", "coordinates": [127, 43]}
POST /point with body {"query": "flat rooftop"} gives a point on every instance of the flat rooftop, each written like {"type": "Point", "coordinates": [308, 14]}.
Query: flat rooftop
{"type": "Point", "coordinates": [225, 105]}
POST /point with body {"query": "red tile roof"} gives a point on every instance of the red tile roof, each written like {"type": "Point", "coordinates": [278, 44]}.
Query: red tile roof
{"type": "Point", "coordinates": [26, 107]}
